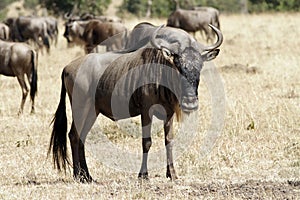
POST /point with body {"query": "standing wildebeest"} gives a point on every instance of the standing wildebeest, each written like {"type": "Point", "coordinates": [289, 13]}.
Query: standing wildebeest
{"type": "Point", "coordinates": [94, 86]}
{"type": "Point", "coordinates": [4, 31]}
{"type": "Point", "coordinates": [97, 32]}
{"type": "Point", "coordinates": [93, 32]}
{"type": "Point", "coordinates": [213, 12]}
{"type": "Point", "coordinates": [192, 21]}
{"type": "Point", "coordinates": [19, 59]}
{"type": "Point", "coordinates": [26, 28]}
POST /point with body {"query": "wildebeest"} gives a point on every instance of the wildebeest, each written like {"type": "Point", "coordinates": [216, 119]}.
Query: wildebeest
{"type": "Point", "coordinates": [139, 36]}
{"type": "Point", "coordinates": [95, 84]}
{"type": "Point", "coordinates": [213, 12]}
{"type": "Point", "coordinates": [19, 59]}
{"type": "Point", "coordinates": [4, 31]}
{"type": "Point", "coordinates": [89, 16]}
{"type": "Point", "coordinates": [96, 32]}
{"type": "Point", "coordinates": [26, 28]}
{"type": "Point", "coordinates": [74, 31]}
{"type": "Point", "coordinates": [52, 28]}
{"type": "Point", "coordinates": [192, 21]}
{"type": "Point", "coordinates": [93, 32]}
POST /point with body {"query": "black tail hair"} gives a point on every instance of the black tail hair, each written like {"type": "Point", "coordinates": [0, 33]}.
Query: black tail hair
{"type": "Point", "coordinates": [34, 76]}
{"type": "Point", "coordinates": [58, 141]}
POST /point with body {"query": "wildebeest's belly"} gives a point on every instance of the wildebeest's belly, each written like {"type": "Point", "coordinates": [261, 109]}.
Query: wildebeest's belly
{"type": "Point", "coordinates": [6, 71]}
{"type": "Point", "coordinates": [122, 109]}
{"type": "Point", "coordinates": [119, 106]}
{"type": "Point", "coordinates": [116, 107]}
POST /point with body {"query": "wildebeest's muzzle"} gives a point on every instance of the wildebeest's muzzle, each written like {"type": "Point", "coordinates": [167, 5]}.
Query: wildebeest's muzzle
{"type": "Point", "coordinates": [190, 76]}
{"type": "Point", "coordinates": [189, 96]}
{"type": "Point", "coordinates": [67, 31]}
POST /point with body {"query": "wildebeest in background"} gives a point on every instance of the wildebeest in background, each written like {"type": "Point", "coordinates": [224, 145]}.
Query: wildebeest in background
{"type": "Point", "coordinates": [52, 28]}
{"type": "Point", "coordinates": [213, 12]}
{"type": "Point", "coordinates": [4, 31]}
{"type": "Point", "coordinates": [193, 21]}
{"type": "Point", "coordinates": [97, 32]}
{"type": "Point", "coordinates": [29, 28]}
{"type": "Point", "coordinates": [19, 59]}
{"type": "Point", "coordinates": [74, 32]}
{"type": "Point", "coordinates": [90, 82]}
{"type": "Point", "coordinates": [93, 32]}
{"type": "Point", "coordinates": [88, 16]}
{"type": "Point", "coordinates": [139, 36]}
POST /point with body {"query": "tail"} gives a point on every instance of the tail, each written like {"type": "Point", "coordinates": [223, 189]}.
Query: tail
{"type": "Point", "coordinates": [34, 77]}
{"type": "Point", "coordinates": [58, 141]}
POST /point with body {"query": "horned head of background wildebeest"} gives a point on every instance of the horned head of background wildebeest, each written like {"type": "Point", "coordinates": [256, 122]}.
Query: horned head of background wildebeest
{"type": "Point", "coordinates": [188, 56]}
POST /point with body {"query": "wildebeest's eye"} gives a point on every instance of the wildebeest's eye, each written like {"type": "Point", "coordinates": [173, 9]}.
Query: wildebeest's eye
{"type": "Point", "coordinates": [178, 62]}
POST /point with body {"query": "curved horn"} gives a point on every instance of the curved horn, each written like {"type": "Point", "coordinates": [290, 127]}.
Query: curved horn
{"type": "Point", "coordinates": [153, 42]}
{"type": "Point", "coordinates": [219, 41]}
{"type": "Point", "coordinates": [67, 15]}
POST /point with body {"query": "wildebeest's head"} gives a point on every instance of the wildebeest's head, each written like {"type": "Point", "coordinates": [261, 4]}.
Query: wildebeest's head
{"type": "Point", "coordinates": [74, 31]}
{"type": "Point", "coordinates": [68, 26]}
{"type": "Point", "coordinates": [187, 56]}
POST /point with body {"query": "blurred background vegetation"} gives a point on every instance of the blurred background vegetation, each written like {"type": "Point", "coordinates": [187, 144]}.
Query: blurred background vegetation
{"type": "Point", "coordinates": [164, 8]}
{"type": "Point", "coordinates": [157, 8]}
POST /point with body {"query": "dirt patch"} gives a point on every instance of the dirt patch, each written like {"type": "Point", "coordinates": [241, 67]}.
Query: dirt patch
{"type": "Point", "coordinates": [251, 189]}
{"type": "Point", "coordinates": [240, 68]}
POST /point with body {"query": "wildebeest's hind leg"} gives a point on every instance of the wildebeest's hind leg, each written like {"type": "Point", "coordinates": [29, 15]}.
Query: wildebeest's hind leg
{"type": "Point", "coordinates": [80, 168]}
{"type": "Point", "coordinates": [168, 128]}
{"type": "Point", "coordinates": [146, 143]}
{"type": "Point", "coordinates": [21, 79]}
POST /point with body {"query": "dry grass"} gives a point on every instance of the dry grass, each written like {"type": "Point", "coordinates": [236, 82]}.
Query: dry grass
{"type": "Point", "coordinates": [257, 155]}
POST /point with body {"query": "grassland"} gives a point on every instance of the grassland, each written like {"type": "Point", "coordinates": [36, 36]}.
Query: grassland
{"type": "Point", "coordinates": [256, 156]}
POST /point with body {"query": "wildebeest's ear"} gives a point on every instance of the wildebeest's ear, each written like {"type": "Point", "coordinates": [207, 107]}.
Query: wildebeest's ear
{"type": "Point", "coordinates": [210, 55]}
{"type": "Point", "coordinates": [167, 54]}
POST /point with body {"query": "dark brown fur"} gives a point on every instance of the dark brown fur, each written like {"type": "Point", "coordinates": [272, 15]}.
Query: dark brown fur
{"type": "Point", "coordinates": [144, 61]}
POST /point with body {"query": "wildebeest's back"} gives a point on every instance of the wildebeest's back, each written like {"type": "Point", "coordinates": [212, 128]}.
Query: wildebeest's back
{"type": "Point", "coordinates": [188, 20]}
{"type": "Point", "coordinates": [139, 36]}
{"type": "Point", "coordinates": [85, 71]}
{"type": "Point", "coordinates": [96, 31]}
{"type": "Point", "coordinates": [15, 58]}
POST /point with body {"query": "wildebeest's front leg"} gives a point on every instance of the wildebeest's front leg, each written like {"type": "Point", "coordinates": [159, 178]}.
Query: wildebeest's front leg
{"type": "Point", "coordinates": [24, 88]}
{"type": "Point", "coordinates": [146, 143]}
{"type": "Point", "coordinates": [168, 128]}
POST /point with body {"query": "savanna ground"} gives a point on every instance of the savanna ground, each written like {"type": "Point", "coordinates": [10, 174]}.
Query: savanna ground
{"type": "Point", "coordinates": [257, 155]}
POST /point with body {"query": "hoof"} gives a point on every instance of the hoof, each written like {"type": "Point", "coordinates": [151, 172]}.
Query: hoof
{"type": "Point", "coordinates": [172, 177]}
{"type": "Point", "coordinates": [84, 179]}
{"type": "Point", "coordinates": [171, 174]}
{"type": "Point", "coordinates": [143, 176]}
